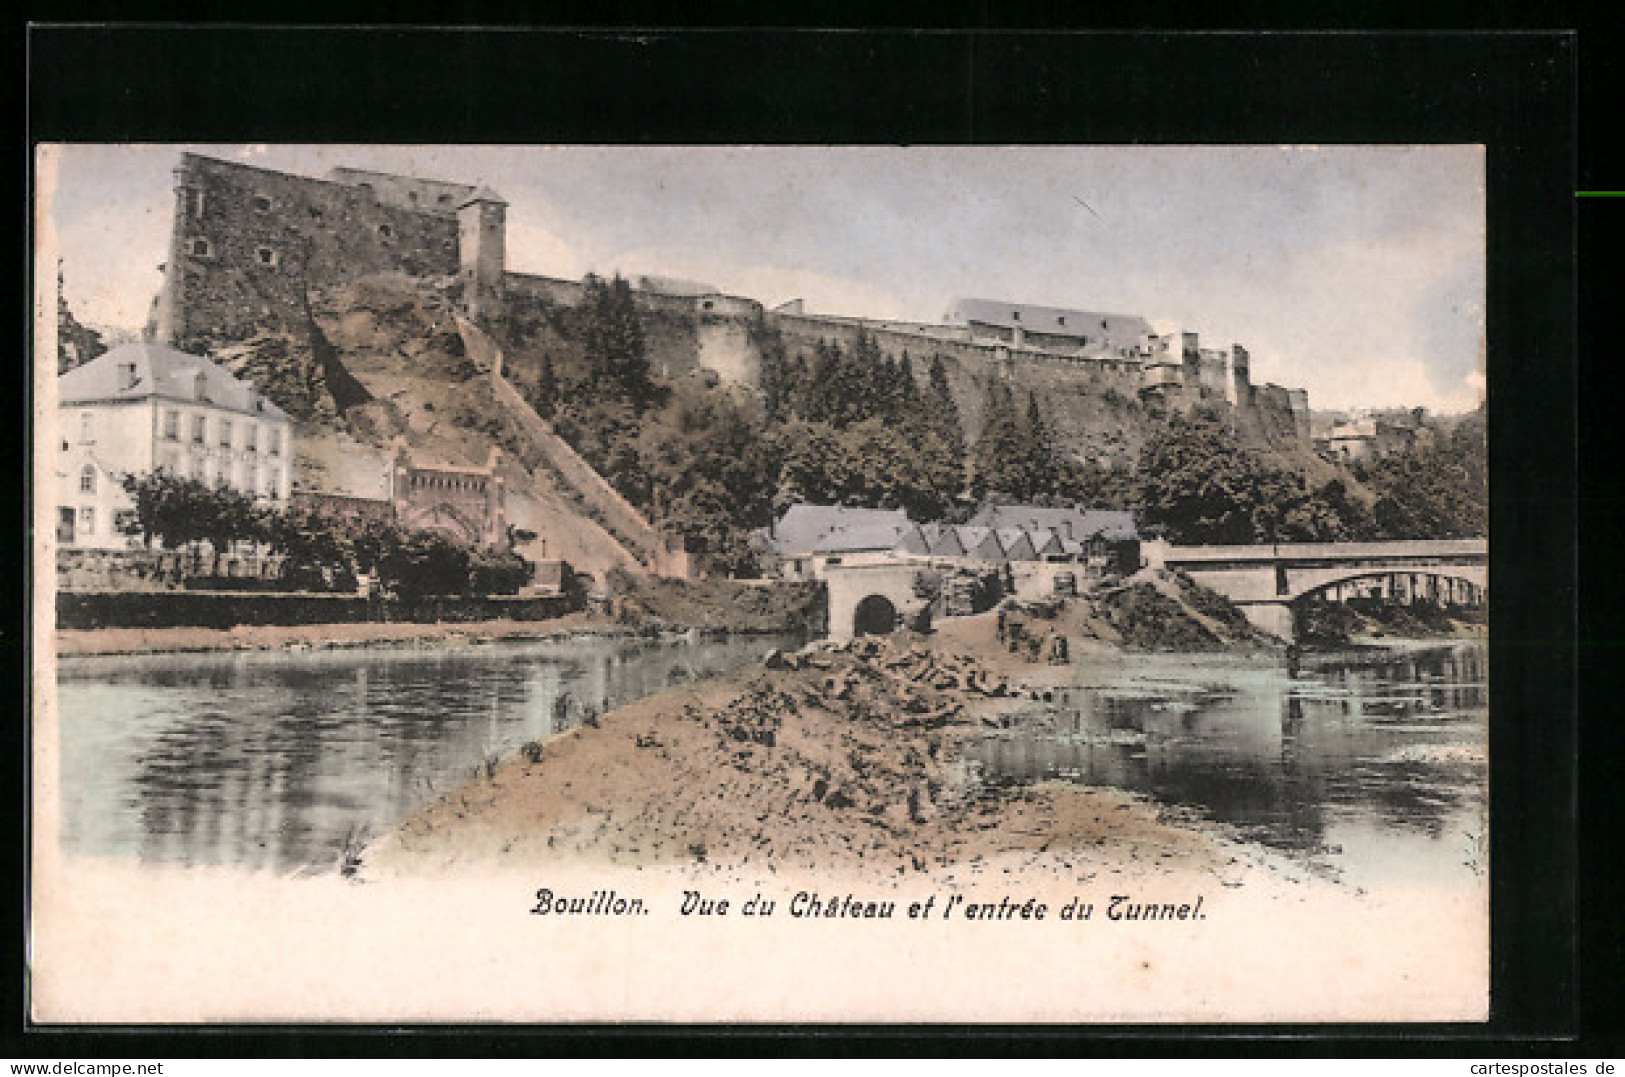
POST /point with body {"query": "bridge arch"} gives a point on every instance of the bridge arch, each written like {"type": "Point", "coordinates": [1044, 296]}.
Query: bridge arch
{"type": "Point", "coordinates": [875, 615]}
{"type": "Point", "coordinates": [1461, 586]}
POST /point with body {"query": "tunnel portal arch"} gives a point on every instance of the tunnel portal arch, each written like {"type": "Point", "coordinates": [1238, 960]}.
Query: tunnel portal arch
{"type": "Point", "coordinates": [874, 616]}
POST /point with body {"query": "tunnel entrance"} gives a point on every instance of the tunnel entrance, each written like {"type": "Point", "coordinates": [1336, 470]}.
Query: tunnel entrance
{"type": "Point", "coordinates": [875, 616]}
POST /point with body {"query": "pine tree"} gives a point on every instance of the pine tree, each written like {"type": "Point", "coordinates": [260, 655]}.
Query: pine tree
{"type": "Point", "coordinates": [1038, 451]}
{"type": "Point", "coordinates": [546, 397]}
{"type": "Point", "coordinates": [997, 457]}
{"type": "Point", "coordinates": [943, 412]}
{"type": "Point", "coordinates": [908, 396]}
{"type": "Point", "coordinates": [614, 339]}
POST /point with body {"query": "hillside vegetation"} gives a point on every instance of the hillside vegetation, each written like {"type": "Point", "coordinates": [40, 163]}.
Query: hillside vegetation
{"type": "Point", "coordinates": [711, 462]}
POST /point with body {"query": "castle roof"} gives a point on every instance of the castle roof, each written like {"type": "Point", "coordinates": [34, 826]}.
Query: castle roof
{"type": "Point", "coordinates": [146, 370]}
{"type": "Point", "coordinates": [483, 194]}
{"type": "Point", "coordinates": [1055, 321]}
{"type": "Point", "coordinates": [675, 286]}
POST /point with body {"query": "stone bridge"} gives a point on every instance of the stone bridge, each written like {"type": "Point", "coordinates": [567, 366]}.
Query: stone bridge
{"type": "Point", "coordinates": [1264, 581]}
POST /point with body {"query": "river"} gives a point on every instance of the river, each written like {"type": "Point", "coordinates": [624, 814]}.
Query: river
{"type": "Point", "coordinates": [289, 760]}
{"type": "Point", "coordinates": [1369, 767]}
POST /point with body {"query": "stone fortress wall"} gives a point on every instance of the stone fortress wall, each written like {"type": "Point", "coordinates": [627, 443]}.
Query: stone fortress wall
{"type": "Point", "coordinates": [248, 242]}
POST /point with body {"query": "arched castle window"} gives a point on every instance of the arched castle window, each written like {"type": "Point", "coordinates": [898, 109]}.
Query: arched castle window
{"type": "Point", "coordinates": [199, 247]}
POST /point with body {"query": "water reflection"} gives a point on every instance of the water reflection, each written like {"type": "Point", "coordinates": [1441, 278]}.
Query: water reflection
{"type": "Point", "coordinates": [286, 760]}
{"type": "Point", "coordinates": [1371, 765]}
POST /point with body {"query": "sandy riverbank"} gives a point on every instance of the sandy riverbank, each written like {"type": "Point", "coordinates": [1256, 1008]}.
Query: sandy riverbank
{"type": "Point", "coordinates": [840, 759]}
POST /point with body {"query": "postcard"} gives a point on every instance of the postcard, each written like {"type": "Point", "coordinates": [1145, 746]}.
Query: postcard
{"type": "Point", "coordinates": [744, 583]}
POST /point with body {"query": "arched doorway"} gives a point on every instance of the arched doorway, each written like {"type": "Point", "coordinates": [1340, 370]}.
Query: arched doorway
{"type": "Point", "coordinates": [875, 616]}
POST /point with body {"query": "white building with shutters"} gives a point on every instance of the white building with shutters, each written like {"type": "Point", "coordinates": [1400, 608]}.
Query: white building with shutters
{"type": "Point", "coordinates": [145, 407]}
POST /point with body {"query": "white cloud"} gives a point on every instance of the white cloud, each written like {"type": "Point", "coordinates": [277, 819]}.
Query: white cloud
{"type": "Point", "coordinates": [824, 293]}
{"type": "Point", "coordinates": [534, 249]}
{"type": "Point", "coordinates": [111, 258]}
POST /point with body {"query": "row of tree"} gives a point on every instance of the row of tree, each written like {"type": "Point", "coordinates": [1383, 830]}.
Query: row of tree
{"type": "Point", "coordinates": [319, 550]}
{"type": "Point", "coordinates": [1197, 481]}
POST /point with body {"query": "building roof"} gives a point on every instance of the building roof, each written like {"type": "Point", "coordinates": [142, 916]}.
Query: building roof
{"type": "Point", "coordinates": [805, 528]}
{"type": "Point", "coordinates": [913, 539]}
{"type": "Point", "coordinates": [1075, 523]}
{"type": "Point", "coordinates": [1056, 321]}
{"type": "Point", "coordinates": [483, 194]}
{"type": "Point", "coordinates": [944, 541]}
{"type": "Point", "coordinates": [859, 537]}
{"type": "Point", "coordinates": [980, 542]}
{"type": "Point", "coordinates": [1047, 543]}
{"type": "Point", "coordinates": [1017, 545]}
{"type": "Point", "coordinates": [144, 370]}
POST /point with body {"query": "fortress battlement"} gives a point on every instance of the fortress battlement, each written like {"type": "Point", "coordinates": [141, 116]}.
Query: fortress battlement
{"type": "Point", "coordinates": [248, 244]}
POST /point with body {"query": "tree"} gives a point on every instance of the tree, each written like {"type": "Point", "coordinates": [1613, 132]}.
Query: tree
{"type": "Point", "coordinates": [1196, 480]}
{"type": "Point", "coordinates": [941, 411]}
{"type": "Point", "coordinates": [544, 398]}
{"type": "Point", "coordinates": [179, 512]}
{"type": "Point", "coordinates": [613, 340]}
{"type": "Point", "coordinates": [317, 551]}
{"type": "Point", "coordinates": [996, 461]}
{"type": "Point", "coordinates": [419, 563]}
{"type": "Point", "coordinates": [76, 344]}
{"type": "Point", "coordinates": [1439, 491]}
{"type": "Point", "coordinates": [1199, 482]}
{"type": "Point", "coordinates": [1037, 454]}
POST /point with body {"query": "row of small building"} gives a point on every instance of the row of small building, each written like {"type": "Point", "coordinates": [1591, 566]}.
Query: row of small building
{"type": "Point", "coordinates": [808, 539]}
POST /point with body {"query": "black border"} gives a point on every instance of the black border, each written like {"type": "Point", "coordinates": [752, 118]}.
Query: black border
{"type": "Point", "coordinates": [1514, 92]}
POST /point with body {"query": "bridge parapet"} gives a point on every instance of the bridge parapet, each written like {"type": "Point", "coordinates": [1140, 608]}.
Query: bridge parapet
{"type": "Point", "coordinates": [1326, 551]}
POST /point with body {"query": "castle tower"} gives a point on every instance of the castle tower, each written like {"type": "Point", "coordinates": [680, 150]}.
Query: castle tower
{"type": "Point", "coordinates": [482, 223]}
{"type": "Point", "coordinates": [1239, 387]}
{"type": "Point", "coordinates": [169, 322]}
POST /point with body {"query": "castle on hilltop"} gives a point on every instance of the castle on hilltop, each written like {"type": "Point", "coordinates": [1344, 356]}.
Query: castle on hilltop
{"type": "Point", "coordinates": [249, 244]}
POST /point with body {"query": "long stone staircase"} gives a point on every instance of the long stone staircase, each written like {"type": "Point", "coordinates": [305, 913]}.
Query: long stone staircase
{"type": "Point", "coordinates": [645, 544]}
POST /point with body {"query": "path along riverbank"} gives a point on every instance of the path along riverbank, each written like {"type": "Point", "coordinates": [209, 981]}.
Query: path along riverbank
{"type": "Point", "coordinates": [185, 639]}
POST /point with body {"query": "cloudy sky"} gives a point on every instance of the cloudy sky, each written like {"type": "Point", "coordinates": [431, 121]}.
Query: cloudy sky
{"type": "Point", "coordinates": [1355, 272]}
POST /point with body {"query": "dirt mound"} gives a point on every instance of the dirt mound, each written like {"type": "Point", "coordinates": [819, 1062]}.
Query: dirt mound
{"type": "Point", "coordinates": [1162, 611]}
{"type": "Point", "coordinates": [727, 605]}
